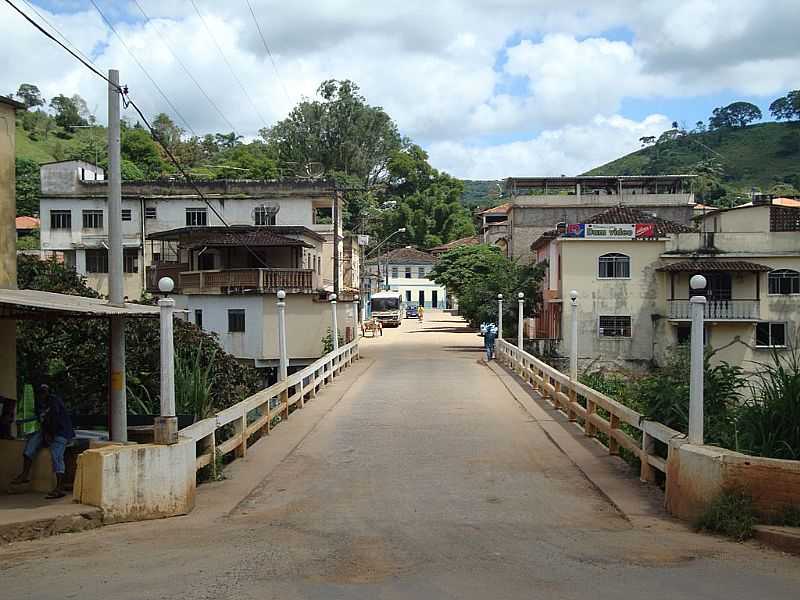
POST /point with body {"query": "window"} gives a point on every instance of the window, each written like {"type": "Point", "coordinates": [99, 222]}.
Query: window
{"type": "Point", "coordinates": [421, 272]}
{"type": "Point", "coordinates": [408, 272]}
{"type": "Point", "coordinates": [97, 261]}
{"type": "Point", "coordinates": [235, 320]}
{"type": "Point", "coordinates": [394, 272]}
{"type": "Point", "coordinates": [614, 266]}
{"type": "Point", "coordinates": [150, 212]}
{"type": "Point", "coordinates": [323, 215]}
{"type": "Point", "coordinates": [408, 295]}
{"type": "Point", "coordinates": [126, 214]}
{"type": "Point", "coordinates": [196, 217]}
{"type": "Point", "coordinates": [719, 286]}
{"type": "Point", "coordinates": [771, 335]}
{"type": "Point", "coordinates": [130, 260]}
{"type": "Point", "coordinates": [93, 219]}
{"type": "Point", "coordinates": [205, 261]}
{"type": "Point", "coordinates": [264, 216]}
{"type": "Point", "coordinates": [198, 317]}
{"type": "Point", "coordinates": [614, 326]}
{"type": "Point", "coordinates": [60, 219]}
{"type": "Point", "coordinates": [784, 281]}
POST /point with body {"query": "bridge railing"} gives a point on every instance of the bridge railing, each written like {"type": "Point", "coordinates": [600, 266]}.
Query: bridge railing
{"type": "Point", "coordinates": [230, 430]}
{"type": "Point", "coordinates": [594, 411]}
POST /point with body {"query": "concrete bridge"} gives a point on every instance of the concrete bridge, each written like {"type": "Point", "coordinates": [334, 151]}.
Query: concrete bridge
{"type": "Point", "coordinates": [420, 473]}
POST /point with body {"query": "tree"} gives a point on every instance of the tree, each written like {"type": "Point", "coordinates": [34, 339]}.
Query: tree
{"type": "Point", "coordinates": [67, 113]}
{"type": "Point", "coordinates": [737, 114]}
{"type": "Point", "coordinates": [28, 187]}
{"type": "Point", "coordinates": [789, 144]}
{"type": "Point", "coordinates": [30, 95]}
{"type": "Point", "coordinates": [227, 141]}
{"type": "Point", "coordinates": [140, 149]}
{"type": "Point", "coordinates": [83, 109]}
{"type": "Point", "coordinates": [166, 131]}
{"type": "Point", "coordinates": [787, 107]}
{"type": "Point", "coordinates": [340, 131]}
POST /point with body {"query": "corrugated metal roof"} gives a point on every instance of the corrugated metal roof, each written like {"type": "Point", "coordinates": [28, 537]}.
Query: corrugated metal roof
{"type": "Point", "coordinates": [20, 303]}
{"type": "Point", "coordinates": [713, 265]}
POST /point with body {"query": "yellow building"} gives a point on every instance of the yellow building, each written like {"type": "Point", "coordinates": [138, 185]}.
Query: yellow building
{"type": "Point", "coordinates": [631, 270]}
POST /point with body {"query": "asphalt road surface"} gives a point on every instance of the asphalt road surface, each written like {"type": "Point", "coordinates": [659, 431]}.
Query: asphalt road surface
{"type": "Point", "coordinates": [425, 481]}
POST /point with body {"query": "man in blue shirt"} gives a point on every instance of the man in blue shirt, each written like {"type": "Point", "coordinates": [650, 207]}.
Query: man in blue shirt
{"type": "Point", "coordinates": [489, 336]}
{"type": "Point", "coordinates": [56, 432]}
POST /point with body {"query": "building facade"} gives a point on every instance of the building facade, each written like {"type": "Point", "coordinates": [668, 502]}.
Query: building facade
{"type": "Point", "coordinates": [631, 272]}
{"type": "Point", "coordinates": [74, 223]}
{"type": "Point", "coordinates": [538, 204]}
{"type": "Point", "coordinates": [406, 270]}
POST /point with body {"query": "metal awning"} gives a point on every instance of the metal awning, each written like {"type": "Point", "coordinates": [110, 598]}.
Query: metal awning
{"type": "Point", "coordinates": [33, 304]}
{"type": "Point", "coordinates": [702, 266]}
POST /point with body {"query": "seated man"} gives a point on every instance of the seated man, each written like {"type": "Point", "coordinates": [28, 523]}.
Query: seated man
{"type": "Point", "coordinates": [56, 432]}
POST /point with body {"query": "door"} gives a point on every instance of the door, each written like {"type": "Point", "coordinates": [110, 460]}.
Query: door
{"type": "Point", "coordinates": [408, 295]}
{"type": "Point", "coordinates": [422, 298]}
{"type": "Point", "coordinates": [434, 299]}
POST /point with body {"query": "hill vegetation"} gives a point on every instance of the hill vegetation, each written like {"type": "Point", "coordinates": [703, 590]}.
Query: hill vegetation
{"type": "Point", "coordinates": [731, 158]}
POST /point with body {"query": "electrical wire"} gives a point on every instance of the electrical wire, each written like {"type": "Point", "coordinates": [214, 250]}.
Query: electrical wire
{"type": "Point", "coordinates": [269, 52]}
{"type": "Point", "coordinates": [227, 62]}
{"type": "Point", "coordinates": [123, 91]}
{"type": "Point", "coordinates": [186, 69]}
{"type": "Point", "coordinates": [141, 66]}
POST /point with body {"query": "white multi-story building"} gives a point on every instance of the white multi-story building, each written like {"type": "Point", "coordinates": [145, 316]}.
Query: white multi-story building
{"type": "Point", "coordinates": [406, 270]}
{"type": "Point", "coordinates": [275, 235]}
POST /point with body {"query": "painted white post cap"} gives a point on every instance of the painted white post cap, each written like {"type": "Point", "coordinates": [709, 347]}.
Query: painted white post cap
{"type": "Point", "coordinates": [166, 284]}
{"type": "Point", "coordinates": [697, 282]}
{"type": "Point", "coordinates": [520, 295]}
{"type": "Point", "coordinates": [281, 294]}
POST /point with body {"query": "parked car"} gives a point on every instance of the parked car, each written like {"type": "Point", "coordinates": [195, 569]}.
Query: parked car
{"type": "Point", "coordinates": [411, 312]}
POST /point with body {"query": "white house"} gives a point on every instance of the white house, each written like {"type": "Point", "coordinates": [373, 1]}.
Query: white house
{"type": "Point", "coordinates": [406, 270]}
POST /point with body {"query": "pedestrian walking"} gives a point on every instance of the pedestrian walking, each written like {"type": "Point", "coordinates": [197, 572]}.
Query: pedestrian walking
{"type": "Point", "coordinates": [489, 337]}
{"type": "Point", "coordinates": [420, 313]}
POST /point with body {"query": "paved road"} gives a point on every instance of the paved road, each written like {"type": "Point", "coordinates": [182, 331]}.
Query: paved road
{"type": "Point", "coordinates": [427, 480]}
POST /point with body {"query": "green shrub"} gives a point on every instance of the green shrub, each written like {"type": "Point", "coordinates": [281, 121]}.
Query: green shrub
{"type": "Point", "coordinates": [731, 513]}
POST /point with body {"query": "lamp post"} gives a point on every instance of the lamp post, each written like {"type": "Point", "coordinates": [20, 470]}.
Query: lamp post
{"type": "Point", "coordinates": [500, 316]}
{"type": "Point", "coordinates": [573, 337]}
{"type": "Point", "coordinates": [697, 305]}
{"type": "Point", "coordinates": [283, 365]}
{"type": "Point", "coordinates": [521, 302]}
{"type": "Point", "coordinates": [334, 326]}
{"type": "Point", "coordinates": [165, 427]}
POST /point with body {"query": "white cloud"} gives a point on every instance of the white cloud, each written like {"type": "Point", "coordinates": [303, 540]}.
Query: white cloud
{"type": "Point", "coordinates": [567, 151]}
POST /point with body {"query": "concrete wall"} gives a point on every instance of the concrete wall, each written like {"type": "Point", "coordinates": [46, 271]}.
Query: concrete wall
{"type": "Point", "coordinates": [640, 297]}
{"type": "Point", "coordinates": [42, 478]}
{"type": "Point", "coordinates": [698, 474]}
{"type": "Point", "coordinates": [138, 482]}
{"type": "Point", "coordinates": [8, 246]}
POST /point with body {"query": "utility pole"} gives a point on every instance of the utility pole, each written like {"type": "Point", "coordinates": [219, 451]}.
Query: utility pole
{"type": "Point", "coordinates": [119, 410]}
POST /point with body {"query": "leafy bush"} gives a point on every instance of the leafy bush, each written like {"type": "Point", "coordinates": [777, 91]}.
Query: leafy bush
{"type": "Point", "coordinates": [769, 422]}
{"type": "Point", "coordinates": [327, 342]}
{"type": "Point", "coordinates": [731, 513]}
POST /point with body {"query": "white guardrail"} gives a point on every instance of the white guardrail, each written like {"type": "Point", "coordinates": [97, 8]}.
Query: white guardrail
{"type": "Point", "coordinates": [581, 403]}
{"type": "Point", "coordinates": [254, 414]}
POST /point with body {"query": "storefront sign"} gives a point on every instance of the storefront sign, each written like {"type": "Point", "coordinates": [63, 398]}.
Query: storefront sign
{"type": "Point", "coordinates": [606, 231]}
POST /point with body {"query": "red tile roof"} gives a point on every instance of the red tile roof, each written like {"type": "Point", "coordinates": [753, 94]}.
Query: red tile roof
{"type": "Point", "coordinates": [467, 241]}
{"type": "Point", "coordinates": [624, 214]}
{"type": "Point", "coordinates": [700, 265]}
{"type": "Point", "coordinates": [27, 223]}
{"type": "Point", "coordinates": [502, 209]}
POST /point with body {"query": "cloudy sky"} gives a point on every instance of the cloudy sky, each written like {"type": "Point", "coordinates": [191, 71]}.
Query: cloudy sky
{"type": "Point", "coordinates": [491, 88]}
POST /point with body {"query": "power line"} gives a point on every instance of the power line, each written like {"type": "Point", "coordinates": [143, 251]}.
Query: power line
{"type": "Point", "coordinates": [186, 69]}
{"type": "Point", "coordinates": [230, 68]}
{"type": "Point", "coordinates": [123, 91]}
{"type": "Point", "coordinates": [146, 74]}
{"type": "Point", "coordinates": [269, 53]}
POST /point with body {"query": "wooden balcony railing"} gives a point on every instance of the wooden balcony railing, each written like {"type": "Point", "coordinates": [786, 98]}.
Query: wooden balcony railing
{"type": "Point", "coordinates": [717, 310]}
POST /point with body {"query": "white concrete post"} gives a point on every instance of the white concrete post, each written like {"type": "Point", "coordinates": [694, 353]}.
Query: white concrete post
{"type": "Point", "coordinates": [356, 305]}
{"type": "Point", "coordinates": [573, 337]}
{"type": "Point", "coordinates": [119, 401]}
{"type": "Point", "coordinates": [283, 365]}
{"type": "Point", "coordinates": [500, 316]}
{"type": "Point", "coordinates": [334, 325]}
{"type": "Point", "coordinates": [166, 424]}
{"type": "Point", "coordinates": [698, 307]}
{"type": "Point", "coordinates": [521, 302]}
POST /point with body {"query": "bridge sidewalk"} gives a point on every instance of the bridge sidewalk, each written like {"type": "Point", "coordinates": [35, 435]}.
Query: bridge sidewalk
{"type": "Point", "coordinates": [640, 503]}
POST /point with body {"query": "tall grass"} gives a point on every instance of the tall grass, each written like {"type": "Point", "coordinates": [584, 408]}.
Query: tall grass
{"type": "Point", "coordinates": [769, 422]}
{"type": "Point", "coordinates": [193, 385]}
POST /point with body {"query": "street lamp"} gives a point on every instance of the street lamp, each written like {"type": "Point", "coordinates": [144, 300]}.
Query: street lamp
{"type": "Point", "coordinates": [697, 304]}
{"type": "Point", "coordinates": [573, 338]}
{"type": "Point", "coordinates": [500, 316]}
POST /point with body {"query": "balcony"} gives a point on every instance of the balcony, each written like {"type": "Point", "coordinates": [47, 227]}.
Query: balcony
{"type": "Point", "coordinates": [717, 310]}
{"type": "Point", "coordinates": [234, 281]}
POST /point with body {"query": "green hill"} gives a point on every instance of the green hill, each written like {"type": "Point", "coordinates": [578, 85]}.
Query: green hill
{"type": "Point", "coordinates": [480, 193]}
{"type": "Point", "coordinates": [761, 156]}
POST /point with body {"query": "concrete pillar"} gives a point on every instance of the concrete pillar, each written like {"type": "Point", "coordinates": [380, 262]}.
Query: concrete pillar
{"type": "Point", "coordinates": [8, 243]}
{"type": "Point", "coordinates": [283, 363]}
{"type": "Point", "coordinates": [698, 306]}
{"type": "Point", "coordinates": [166, 425]}
{"type": "Point", "coordinates": [334, 325]}
{"type": "Point", "coordinates": [520, 333]}
{"type": "Point", "coordinates": [573, 337]}
{"type": "Point", "coordinates": [500, 316]}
